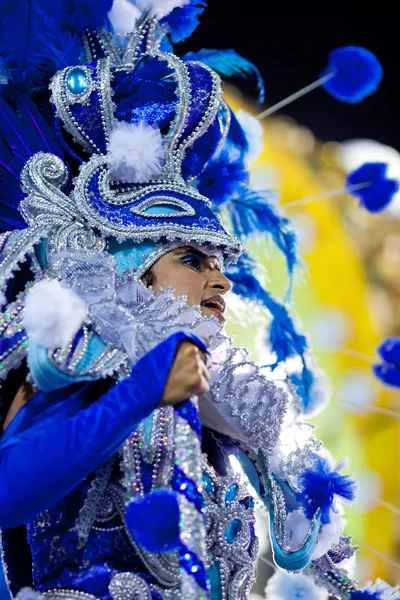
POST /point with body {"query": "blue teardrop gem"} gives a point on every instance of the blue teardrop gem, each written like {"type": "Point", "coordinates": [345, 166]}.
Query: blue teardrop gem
{"type": "Point", "coordinates": [77, 81]}
{"type": "Point", "coordinates": [232, 531]}
{"type": "Point", "coordinates": [231, 494]}
{"type": "Point", "coordinates": [208, 484]}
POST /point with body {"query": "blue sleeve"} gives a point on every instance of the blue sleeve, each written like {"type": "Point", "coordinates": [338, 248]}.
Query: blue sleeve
{"type": "Point", "coordinates": [44, 457]}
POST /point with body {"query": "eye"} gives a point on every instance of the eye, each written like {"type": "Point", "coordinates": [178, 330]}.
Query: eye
{"type": "Point", "coordinates": [193, 260]}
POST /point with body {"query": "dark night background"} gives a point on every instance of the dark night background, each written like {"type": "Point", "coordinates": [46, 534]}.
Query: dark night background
{"type": "Point", "coordinates": [291, 51]}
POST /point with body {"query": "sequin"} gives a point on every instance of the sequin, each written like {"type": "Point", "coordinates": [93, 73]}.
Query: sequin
{"type": "Point", "coordinates": [208, 484]}
{"type": "Point", "coordinates": [232, 531]}
{"type": "Point", "coordinates": [231, 494]}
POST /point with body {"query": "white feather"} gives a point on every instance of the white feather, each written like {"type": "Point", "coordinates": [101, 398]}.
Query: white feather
{"type": "Point", "coordinates": [297, 526]}
{"type": "Point", "coordinates": [136, 152]}
{"type": "Point", "coordinates": [329, 535]}
{"type": "Point", "coordinates": [3, 299]}
{"type": "Point", "coordinates": [289, 586]}
{"type": "Point", "coordinates": [382, 587]}
{"type": "Point", "coordinates": [160, 8]}
{"type": "Point", "coordinates": [123, 16]}
{"type": "Point", "coordinates": [28, 594]}
{"type": "Point", "coordinates": [53, 314]}
{"type": "Point", "coordinates": [254, 133]}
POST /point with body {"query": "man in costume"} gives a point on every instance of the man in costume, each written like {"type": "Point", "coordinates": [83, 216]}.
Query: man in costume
{"type": "Point", "coordinates": [113, 284]}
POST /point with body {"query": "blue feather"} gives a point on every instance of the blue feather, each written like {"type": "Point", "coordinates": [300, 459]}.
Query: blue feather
{"type": "Point", "coordinates": [88, 13]}
{"type": "Point", "coordinates": [228, 63]}
{"type": "Point", "coordinates": [358, 74]}
{"type": "Point", "coordinates": [365, 595]}
{"type": "Point", "coordinates": [34, 42]}
{"type": "Point", "coordinates": [284, 338]}
{"type": "Point", "coordinates": [37, 38]}
{"type": "Point", "coordinates": [310, 389]}
{"type": "Point", "coordinates": [182, 21]}
{"type": "Point", "coordinates": [153, 521]}
{"type": "Point", "coordinates": [253, 213]}
{"type": "Point", "coordinates": [320, 485]}
{"type": "Point", "coordinates": [24, 132]}
{"type": "Point", "coordinates": [223, 178]}
{"type": "Point", "coordinates": [379, 192]}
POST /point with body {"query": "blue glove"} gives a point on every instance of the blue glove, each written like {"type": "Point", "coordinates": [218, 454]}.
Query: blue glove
{"type": "Point", "coordinates": [59, 438]}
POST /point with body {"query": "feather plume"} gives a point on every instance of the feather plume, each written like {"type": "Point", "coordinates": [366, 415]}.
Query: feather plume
{"type": "Point", "coordinates": [253, 214]}
{"type": "Point", "coordinates": [183, 20]}
{"type": "Point", "coordinates": [23, 133]}
{"type": "Point", "coordinates": [320, 485]}
{"type": "Point", "coordinates": [123, 16]}
{"type": "Point", "coordinates": [228, 63]}
{"type": "Point", "coordinates": [159, 8]}
{"type": "Point", "coordinates": [224, 178]}
{"type": "Point", "coordinates": [291, 586]}
{"type": "Point", "coordinates": [37, 38]}
{"type": "Point", "coordinates": [254, 134]}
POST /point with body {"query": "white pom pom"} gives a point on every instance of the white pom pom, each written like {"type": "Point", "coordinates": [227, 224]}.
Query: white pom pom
{"type": "Point", "coordinates": [136, 152]}
{"type": "Point", "coordinates": [297, 526]}
{"type": "Point", "coordinates": [289, 586]}
{"type": "Point", "coordinates": [329, 535]}
{"type": "Point", "coordinates": [160, 8]}
{"type": "Point", "coordinates": [28, 594]}
{"type": "Point", "coordinates": [3, 300]}
{"type": "Point", "coordinates": [53, 314]}
{"type": "Point", "coordinates": [123, 16]}
{"type": "Point", "coordinates": [254, 134]}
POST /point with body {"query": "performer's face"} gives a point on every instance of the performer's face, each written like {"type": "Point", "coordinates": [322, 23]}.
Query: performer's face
{"type": "Point", "coordinates": [195, 275]}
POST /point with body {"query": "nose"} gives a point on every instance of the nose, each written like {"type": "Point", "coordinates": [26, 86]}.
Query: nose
{"type": "Point", "coordinates": [219, 281]}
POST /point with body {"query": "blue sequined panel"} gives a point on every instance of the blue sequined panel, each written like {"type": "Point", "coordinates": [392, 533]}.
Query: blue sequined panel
{"type": "Point", "coordinates": [88, 116]}
{"type": "Point", "coordinates": [146, 94]}
{"type": "Point", "coordinates": [201, 85]}
{"type": "Point", "coordinates": [203, 220]}
{"type": "Point", "coordinates": [58, 563]}
{"type": "Point", "coordinates": [202, 150]}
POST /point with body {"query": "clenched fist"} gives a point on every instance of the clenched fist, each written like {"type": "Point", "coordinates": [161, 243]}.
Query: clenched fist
{"type": "Point", "coordinates": [189, 375]}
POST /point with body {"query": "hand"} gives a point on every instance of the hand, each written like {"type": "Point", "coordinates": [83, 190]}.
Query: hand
{"type": "Point", "coordinates": [189, 375]}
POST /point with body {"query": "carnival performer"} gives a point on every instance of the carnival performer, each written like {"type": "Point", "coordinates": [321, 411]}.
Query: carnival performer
{"type": "Point", "coordinates": [114, 271]}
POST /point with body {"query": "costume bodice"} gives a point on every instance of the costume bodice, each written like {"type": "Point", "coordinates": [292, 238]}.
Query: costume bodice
{"type": "Point", "coordinates": [109, 551]}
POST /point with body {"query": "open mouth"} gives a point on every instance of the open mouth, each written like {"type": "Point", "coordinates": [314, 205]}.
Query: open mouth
{"type": "Point", "coordinates": [217, 306]}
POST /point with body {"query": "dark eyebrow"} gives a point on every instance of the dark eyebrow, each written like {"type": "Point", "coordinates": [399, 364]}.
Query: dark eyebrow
{"type": "Point", "coordinates": [186, 249]}
{"type": "Point", "coordinates": [199, 253]}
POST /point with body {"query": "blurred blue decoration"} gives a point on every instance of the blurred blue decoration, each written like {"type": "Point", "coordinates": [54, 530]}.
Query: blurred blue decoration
{"type": "Point", "coordinates": [182, 21]}
{"type": "Point", "coordinates": [38, 37]}
{"type": "Point", "coordinates": [308, 386]}
{"type": "Point", "coordinates": [320, 485]}
{"type": "Point", "coordinates": [23, 132]}
{"type": "Point", "coordinates": [378, 191]}
{"type": "Point", "coordinates": [358, 74]}
{"type": "Point", "coordinates": [223, 178]}
{"type": "Point", "coordinates": [366, 595]}
{"type": "Point", "coordinates": [254, 213]}
{"type": "Point", "coordinates": [389, 371]}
